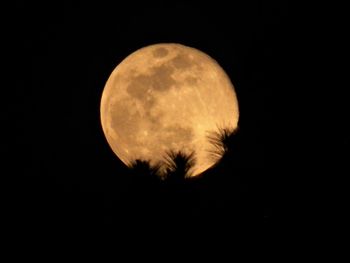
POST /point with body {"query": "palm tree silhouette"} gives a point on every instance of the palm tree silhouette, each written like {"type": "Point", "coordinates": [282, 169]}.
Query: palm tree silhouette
{"type": "Point", "coordinates": [178, 165]}
{"type": "Point", "coordinates": [222, 141]}
{"type": "Point", "coordinates": [144, 190]}
{"type": "Point", "coordinates": [144, 167]}
{"type": "Point", "coordinates": [144, 173]}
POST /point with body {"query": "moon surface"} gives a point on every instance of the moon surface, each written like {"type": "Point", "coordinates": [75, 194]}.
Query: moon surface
{"type": "Point", "coordinates": [167, 97]}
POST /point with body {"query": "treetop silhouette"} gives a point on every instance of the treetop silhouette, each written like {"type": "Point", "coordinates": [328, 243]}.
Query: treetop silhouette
{"type": "Point", "coordinates": [222, 142]}
{"type": "Point", "coordinates": [178, 165]}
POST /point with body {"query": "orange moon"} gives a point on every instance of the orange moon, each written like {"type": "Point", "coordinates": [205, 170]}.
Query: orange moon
{"type": "Point", "coordinates": [167, 97]}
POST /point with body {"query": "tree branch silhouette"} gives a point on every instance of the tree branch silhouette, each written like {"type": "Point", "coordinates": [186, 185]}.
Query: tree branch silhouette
{"type": "Point", "coordinates": [222, 142]}
{"type": "Point", "coordinates": [178, 165]}
{"type": "Point", "coordinates": [144, 170]}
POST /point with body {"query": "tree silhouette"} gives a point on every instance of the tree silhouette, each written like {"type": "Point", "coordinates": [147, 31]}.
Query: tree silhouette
{"type": "Point", "coordinates": [143, 191]}
{"type": "Point", "coordinates": [178, 166]}
{"type": "Point", "coordinates": [222, 141]}
{"type": "Point", "coordinates": [143, 172]}
{"type": "Point", "coordinates": [144, 167]}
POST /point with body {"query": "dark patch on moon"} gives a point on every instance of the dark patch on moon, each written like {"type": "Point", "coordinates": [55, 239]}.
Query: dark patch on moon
{"type": "Point", "coordinates": [149, 102]}
{"type": "Point", "coordinates": [191, 80]}
{"type": "Point", "coordinates": [162, 79]}
{"type": "Point", "coordinates": [160, 52]}
{"type": "Point", "coordinates": [182, 61]}
{"type": "Point", "coordinates": [154, 119]}
{"type": "Point", "coordinates": [144, 88]}
{"type": "Point", "coordinates": [139, 86]}
{"type": "Point", "coordinates": [124, 121]}
{"type": "Point", "coordinates": [159, 79]}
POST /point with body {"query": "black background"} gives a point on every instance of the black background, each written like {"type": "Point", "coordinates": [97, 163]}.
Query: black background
{"type": "Point", "coordinates": [269, 49]}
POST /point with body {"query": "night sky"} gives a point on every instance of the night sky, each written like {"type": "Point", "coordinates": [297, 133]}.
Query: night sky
{"type": "Point", "coordinates": [75, 182]}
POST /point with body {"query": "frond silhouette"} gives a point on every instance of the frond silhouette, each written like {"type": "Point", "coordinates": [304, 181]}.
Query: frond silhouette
{"type": "Point", "coordinates": [221, 140]}
{"type": "Point", "coordinates": [178, 165]}
{"type": "Point", "coordinates": [144, 169]}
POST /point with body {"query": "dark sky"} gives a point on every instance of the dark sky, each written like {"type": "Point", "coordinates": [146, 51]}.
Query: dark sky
{"type": "Point", "coordinates": [72, 50]}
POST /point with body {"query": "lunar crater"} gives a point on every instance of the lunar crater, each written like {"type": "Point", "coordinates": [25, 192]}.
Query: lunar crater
{"type": "Point", "coordinates": [160, 52]}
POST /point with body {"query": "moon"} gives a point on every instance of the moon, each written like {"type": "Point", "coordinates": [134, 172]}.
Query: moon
{"type": "Point", "coordinates": [167, 97]}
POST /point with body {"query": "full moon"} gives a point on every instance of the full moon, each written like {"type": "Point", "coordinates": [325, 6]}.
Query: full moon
{"type": "Point", "coordinates": [167, 97]}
